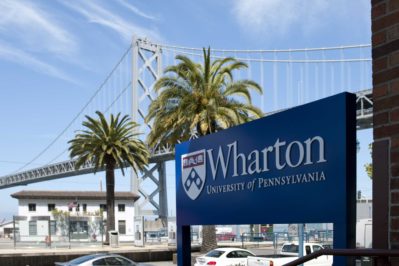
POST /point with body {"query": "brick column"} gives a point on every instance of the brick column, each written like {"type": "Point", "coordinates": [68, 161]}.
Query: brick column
{"type": "Point", "coordinates": [385, 51]}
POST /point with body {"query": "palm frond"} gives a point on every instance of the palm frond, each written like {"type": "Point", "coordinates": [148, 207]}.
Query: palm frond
{"type": "Point", "coordinates": [103, 142]}
{"type": "Point", "coordinates": [199, 98]}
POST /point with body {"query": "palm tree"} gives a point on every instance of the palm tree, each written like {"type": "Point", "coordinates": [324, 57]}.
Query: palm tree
{"type": "Point", "coordinates": [200, 99]}
{"type": "Point", "coordinates": [108, 146]}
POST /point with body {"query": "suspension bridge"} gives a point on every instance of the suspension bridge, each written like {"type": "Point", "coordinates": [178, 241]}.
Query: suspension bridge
{"type": "Point", "coordinates": [289, 78]}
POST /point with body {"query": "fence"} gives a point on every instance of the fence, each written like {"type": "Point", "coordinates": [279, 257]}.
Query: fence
{"type": "Point", "coordinates": [277, 239]}
{"type": "Point", "coordinates": [58, 231]}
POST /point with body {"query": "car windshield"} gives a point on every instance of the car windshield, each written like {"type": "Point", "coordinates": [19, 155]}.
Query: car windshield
{"type": "Point", "coordinates": [215, 253]}
{"type": "Point", "coordinates": [316, 248]}
{"type": "Point", "coordinates": [290, 248]}
{"type": "Point", "coordinates": [83, 259]}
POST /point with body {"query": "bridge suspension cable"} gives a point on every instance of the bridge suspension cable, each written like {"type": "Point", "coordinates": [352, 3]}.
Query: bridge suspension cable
{"type": "Point", "coordinates": [282, 60]}
{"type": "Point", "coordinates": [236, 51]}
{"type": "Point", "coordinates": [75, 118]}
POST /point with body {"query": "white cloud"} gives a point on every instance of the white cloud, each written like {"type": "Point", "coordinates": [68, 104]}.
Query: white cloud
{"type": "Point", "coordinates": [95, 13]}
{"type": "Point", "coordinates": [136, 10]}
{"type": "Point", "coordinates": [34, 28]}
{"type": "Point", "coordinates": [20, 57]}
{"type": "Point", "coordinates": [278, 17]}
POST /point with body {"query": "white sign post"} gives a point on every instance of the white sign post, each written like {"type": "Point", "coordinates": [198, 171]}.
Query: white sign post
{"type": "Point", "coordinates": [172, 231]}
{"type": "Point", "coordinates": [139, 231]}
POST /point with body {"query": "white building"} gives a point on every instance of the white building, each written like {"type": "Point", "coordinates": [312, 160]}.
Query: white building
{"type": "Point", "coordinates": [364, 224]}
{"type": "Point", "coordinates": [364, 209]}
{"type": "Point", "coordinates": [79, 215]}
{"type": "Point", "coordinates": [6, 229]}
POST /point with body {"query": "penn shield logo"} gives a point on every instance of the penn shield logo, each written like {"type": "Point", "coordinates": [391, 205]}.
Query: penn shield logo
{"type": "Point", "coordinates": [193, 173]}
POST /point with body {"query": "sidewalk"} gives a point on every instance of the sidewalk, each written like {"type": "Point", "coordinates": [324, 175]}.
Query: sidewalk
{"type": "Point", "coordinates": [57, 253]}
{"type": "Point", "coordinates": [83, 249]}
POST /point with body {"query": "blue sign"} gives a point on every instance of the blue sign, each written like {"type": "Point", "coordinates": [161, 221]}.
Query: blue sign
{"type": "Point", "coordinates": [297, 166]}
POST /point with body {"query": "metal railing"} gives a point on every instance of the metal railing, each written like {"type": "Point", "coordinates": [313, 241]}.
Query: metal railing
{"type": "Point", "coordinates": [379, 253]}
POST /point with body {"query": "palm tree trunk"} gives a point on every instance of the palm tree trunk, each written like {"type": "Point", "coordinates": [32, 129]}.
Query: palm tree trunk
{"type": "Point", "coordinates": [209, 241]}
{"type": "Point", "coordinates": [208, 238]}
{"type": "Point", "coordinates": [110, 180]}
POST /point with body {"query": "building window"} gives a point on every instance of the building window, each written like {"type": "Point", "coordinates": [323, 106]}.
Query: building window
{"type": "Point", "coordinates": [78, 207]}
{"type": "Point", "coordinates": [32, 228]}
{"type": "Point", "coordinates": [103, 207]}
{"type": "Point", "coordinates": [84, 207]}
{"type": "Point", "coordinates": [121, 207]}
{"type": "Point", "coordinates": [69, 209]}
{"type": "Point", "coordinates": [122, 227]}
{"type": "Point", "coordinates": [51, 207]}
{"type": "Point", "coordinates": [53, 227]}
{"type": "Point", "coordinates": [32, 207]}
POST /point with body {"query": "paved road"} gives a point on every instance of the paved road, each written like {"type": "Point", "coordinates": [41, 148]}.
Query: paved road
{"type": "Point", "coordinates": [7, 247]}
{"type": "Point", "coordinates": [258, 251]}
{"type": "Point", "coordinates": [161, 263]}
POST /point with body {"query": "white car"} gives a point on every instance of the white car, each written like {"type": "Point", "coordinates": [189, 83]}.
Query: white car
{"type": "Point", "coordinates": [99, 259]}
{"type": "Point", "coordinates": [224, 257]}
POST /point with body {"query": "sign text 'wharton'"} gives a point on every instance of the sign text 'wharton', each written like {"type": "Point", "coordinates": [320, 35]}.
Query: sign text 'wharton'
{"type": "Point", "coordinates": [228, 161]}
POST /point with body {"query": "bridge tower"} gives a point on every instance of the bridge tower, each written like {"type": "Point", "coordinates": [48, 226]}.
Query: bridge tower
{"type": "Point", "coordinates": [146, 69]}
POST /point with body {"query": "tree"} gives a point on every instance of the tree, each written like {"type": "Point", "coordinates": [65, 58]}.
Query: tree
{"type": "Point", "coordinates": [109, 145]}
{"type": "Point", "coordinates": [200, 99]}
{"type": "Point", "coordinates": [369, 166]}
{"type": "Point", "coordinates": [62, 218]}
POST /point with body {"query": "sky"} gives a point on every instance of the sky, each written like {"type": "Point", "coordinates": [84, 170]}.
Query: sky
{"type": "Point", "coordinates": [55, 54]}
